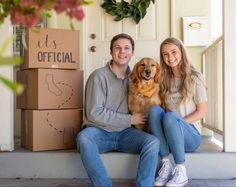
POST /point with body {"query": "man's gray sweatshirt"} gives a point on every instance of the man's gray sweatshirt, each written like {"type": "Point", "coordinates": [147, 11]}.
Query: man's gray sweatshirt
{"type": "Point", "coordinates": [106, 100]}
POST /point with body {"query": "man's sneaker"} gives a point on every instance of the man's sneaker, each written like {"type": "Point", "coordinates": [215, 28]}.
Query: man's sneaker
{"type": "Point", "coordinates": [164, 173]}
{"type": "Point", "coordinates": [179, 177]}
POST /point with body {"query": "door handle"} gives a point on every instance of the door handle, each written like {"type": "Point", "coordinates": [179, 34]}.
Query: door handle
{"type": "Point", "coordinates": [93, 36]}
{"type": "Point", "coordinates": [93, 48]}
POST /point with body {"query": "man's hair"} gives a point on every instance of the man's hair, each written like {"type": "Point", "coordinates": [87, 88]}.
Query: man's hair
{"type": "Point", "coordinates": [122, 35]}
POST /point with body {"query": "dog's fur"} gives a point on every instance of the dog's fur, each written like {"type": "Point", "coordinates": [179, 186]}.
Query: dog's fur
{"type": "Point", "coordinates": [144, 88]}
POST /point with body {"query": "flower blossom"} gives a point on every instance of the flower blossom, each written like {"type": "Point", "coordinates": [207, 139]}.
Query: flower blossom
{"type": "Point", "coordinates": [72, 8]}
{"type": "Point", "coordinates": [18, 17]}
{"type": "Point", "coordinates": [28, 12]}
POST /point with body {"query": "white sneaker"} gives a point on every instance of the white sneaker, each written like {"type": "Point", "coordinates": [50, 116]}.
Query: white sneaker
{"type": "Point", "coordinates": [179, 176]}
{"type": "Point", "coordinates": [164, 173]}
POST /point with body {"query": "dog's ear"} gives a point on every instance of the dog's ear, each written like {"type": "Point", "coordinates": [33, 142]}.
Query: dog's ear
{"type": "Point", "coordinates": [134, 74]}
{"type": "Point", "coordinates": [158, 70]}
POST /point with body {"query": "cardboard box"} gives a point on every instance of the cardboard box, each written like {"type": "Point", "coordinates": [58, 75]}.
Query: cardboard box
{"type": "Point", "coordinates": [51, 48]}
{"type": "Point", "coordinates": [50, 129]}
{"type": "Point", "coordinates": [50, 89]}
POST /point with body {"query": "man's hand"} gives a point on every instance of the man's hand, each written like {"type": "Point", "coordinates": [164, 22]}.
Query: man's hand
{"type": "Point", "coordinates": [138, 118]}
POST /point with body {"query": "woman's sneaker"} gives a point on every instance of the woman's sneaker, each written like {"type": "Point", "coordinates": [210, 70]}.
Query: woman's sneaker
{"type": "Point", "coordinates": [179, 177]}
{"type": "Point", "coordinates": [164, 173]}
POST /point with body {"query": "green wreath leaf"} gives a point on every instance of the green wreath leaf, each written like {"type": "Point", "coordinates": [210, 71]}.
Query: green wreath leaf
{"type": "Point", "coordinates": [136, 9]}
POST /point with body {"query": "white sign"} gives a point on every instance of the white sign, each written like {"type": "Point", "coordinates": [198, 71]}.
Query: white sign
{"type": "Point", "coordinates": [195, 31]}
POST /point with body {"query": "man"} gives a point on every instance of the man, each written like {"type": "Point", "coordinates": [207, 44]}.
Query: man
{"type": "Point", "coordinates": [108, 122]}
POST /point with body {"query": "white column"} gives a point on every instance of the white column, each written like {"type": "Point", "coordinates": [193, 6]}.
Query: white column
{"type": "Point", "coordinates": [229, 26]}
{"type": "Point", "coordinates": [52, 21]}
{"type": "Point", "coordinates": [6, 97]}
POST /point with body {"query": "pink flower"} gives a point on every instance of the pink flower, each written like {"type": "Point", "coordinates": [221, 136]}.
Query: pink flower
{"type": "Point", "coordinates": [26, 3]}
{"type": "Point", "coordinates": [32, 19]}
{"type": "Point", "coordinates": [77, 13]}
{"type": "Point", "coordinates": [42, 4]}
{"type": "Point", "coordinates": [72, 8]}
{"type": "Point", "coordinates": [17, 17]}
{"type": "Point", "coordinates": [27, 12]}
{"type": "Point", "coordinates": [61, 5]}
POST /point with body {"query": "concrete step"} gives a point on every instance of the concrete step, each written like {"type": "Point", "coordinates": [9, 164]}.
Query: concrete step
{"type": "Point", "coordinates": [67, 164]}
{"type": "Point", "coordinates": [116, 183]}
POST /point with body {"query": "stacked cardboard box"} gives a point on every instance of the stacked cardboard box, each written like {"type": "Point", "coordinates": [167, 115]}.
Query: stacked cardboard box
{"type": "Point", "coordinates": [52, 103]}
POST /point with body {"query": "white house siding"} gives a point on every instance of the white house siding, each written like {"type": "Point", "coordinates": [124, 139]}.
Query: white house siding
{"type": "Point", "coordinates": [6, 97]}
{"type": "Point", "coordinates": [229, 74]}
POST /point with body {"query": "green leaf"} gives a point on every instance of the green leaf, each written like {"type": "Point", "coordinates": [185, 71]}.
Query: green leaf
{"type": "Point", "coordinates": [84, 2]}
{"type": "Point", "coordinates": [23, 39]}
{"type": "Point", "coordinates": [46, 14]}
{"type": "Point", "coordinates": [111, 13]}
{"type": "Point", "coordinates": [118, 18]}
{"type": "Point", "coordinates": [14, 86]}
{"type": "Point", "coordinates": [10, 60]}
{"type": "Point", "coordinates": [136, 19]}
{"type": "Point", "coordinates": [136, 9]}
{"type": "Point", "coordinates": [5, 45]}
{"type": "Point", "coordinates": [16, 2]}
{"type": "Point", "coordinates": [142, 7]}
{"type": "Point", "coordinates": [49, 3]}
{"type": "Point", "coordinates": [71, 25]}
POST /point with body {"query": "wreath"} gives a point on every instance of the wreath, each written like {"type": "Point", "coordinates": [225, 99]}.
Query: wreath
{"type": "Point", "coordinates": [136, 9]}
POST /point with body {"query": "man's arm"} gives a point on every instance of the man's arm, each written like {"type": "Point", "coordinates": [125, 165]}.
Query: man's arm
{"type": "Point", "coordinates": [95, 102]}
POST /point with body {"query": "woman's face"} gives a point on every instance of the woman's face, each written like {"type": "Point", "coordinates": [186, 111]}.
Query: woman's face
{"type": "Point", "coordinates": [171, 55]}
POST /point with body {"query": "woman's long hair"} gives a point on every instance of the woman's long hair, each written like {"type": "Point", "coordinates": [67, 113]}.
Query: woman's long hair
{"type": "Point", "coordinates": [187, 72]}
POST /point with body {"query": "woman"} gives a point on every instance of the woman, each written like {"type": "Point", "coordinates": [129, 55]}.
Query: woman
{"type": "Point", "coordinates": [177, 122]}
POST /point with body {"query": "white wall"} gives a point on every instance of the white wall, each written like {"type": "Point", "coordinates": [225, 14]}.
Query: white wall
{"type": "Point", "coordinates": [6, 98]}
{"type": "Point", "coordinates": [229, 33]}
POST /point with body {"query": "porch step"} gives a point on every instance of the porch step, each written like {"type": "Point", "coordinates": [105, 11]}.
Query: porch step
{"type": "Point", "coordinates": [116, 183]}
{"type": "Point", "coordinates": [67, 164]}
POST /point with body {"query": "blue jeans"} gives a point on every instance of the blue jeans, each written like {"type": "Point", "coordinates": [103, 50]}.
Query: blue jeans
{"type": "Point", "coordinates": [175, 134]}
{"type": "Point", "coordinates": [92, 141]}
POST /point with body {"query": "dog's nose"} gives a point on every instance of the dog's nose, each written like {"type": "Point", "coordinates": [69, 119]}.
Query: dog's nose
{"type": "Point", "coordinates": [148, 71]}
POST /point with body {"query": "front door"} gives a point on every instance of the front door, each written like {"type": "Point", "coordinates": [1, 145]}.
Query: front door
{"type": "Point", "coordinates": [100, 27]}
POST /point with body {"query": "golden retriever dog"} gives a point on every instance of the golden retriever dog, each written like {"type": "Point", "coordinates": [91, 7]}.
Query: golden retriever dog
{"type": "Point", "coordinates": [144, 88]}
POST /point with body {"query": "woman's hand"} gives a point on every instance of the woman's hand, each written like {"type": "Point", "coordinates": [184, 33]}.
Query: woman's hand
{"type": "Point", "coordinates": [198, 114]}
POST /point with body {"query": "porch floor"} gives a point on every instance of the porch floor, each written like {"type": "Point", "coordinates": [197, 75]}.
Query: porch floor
{"type": "Point", "coordinates": [116, 183]}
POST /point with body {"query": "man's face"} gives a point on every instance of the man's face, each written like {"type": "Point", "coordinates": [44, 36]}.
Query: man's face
{"type": "Point", "coordinates": [122, 51]}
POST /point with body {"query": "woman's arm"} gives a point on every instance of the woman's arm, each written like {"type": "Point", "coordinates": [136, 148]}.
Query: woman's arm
{"type": "Point", "coordinates": [198, 114]}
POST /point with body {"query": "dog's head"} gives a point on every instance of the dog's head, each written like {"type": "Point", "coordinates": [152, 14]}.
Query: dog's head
{"type": "Point", "coordinates": [145, 70]}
